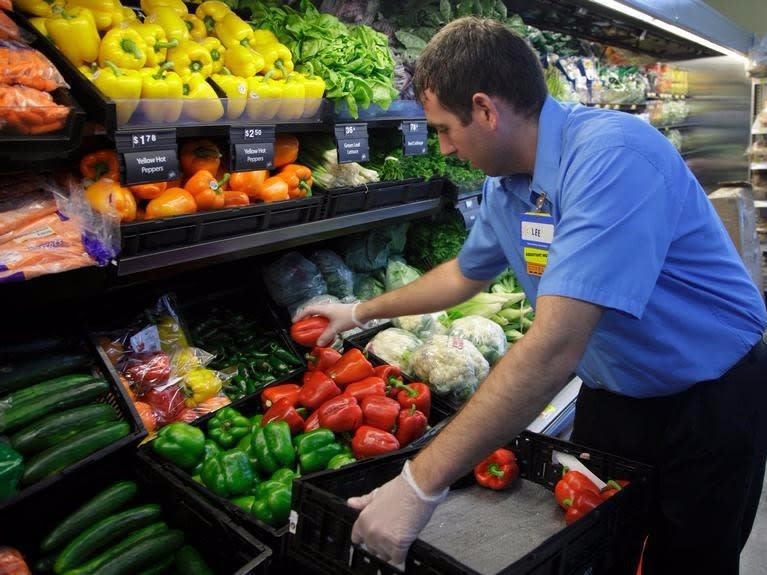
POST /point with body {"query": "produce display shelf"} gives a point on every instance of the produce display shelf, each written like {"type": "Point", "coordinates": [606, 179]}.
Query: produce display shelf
{"type": "Point", "coordinates": [341, 201]}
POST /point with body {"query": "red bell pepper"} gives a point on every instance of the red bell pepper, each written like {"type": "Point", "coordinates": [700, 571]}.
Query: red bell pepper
{"type": "Point", "coordinates": [271, 395]}
{"type": "Point", "coordinates": [612, 487]}
{"type": "Point", "coordinates": [308, 330]}
{"type": "Point", "coordinates": [283, 410]}
{"type": "Point", "coordinates": [392, 377]}
{"type": "Point", "coordinates": [312, 422]}
{"type": "Point", "coordinates": [370, 441]}
{"type": "Point", "coordinates": [379, 411]}
{"type": "Point", "coordinates": [147, 370]}
{"type": "Point", "coordinates": [352, 367]}
{"type": "Point", "coordinates": [498, 470]}
{"type": "Point", "coordinates": [322, 358]}
{"type": "Point", "coordinates": [411, 424]}
{"type": "Point", "coordinates": [584, 501]}
{"type": "Point", "coordinates": [571, 483]}
{"type": "Point", "coordinates": [368, 386]}
{"type": "Point", "coordinates": [418, 394]}
{"type": "Point", "coordinates": [340, 414]}
{"type": "Point", "coordinates": [317, 389]}
{"type": "Point", "coordinates": [167, 402]}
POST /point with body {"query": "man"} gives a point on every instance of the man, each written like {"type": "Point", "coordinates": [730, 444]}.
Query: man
{"type": "Point", "coordinates": [637, 288]}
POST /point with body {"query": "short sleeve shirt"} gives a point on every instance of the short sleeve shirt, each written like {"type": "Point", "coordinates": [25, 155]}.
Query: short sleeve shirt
{"type": "Point", "coordinates": [634, 233]}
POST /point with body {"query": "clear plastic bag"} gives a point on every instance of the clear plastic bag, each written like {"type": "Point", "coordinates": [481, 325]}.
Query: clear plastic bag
{"type": "Point", "coordinates": [395, 346]}
{"type": "Point", "coordinates": [292, 279]}
{"type": "Point", "coordinates": [369, 251]}
{"type": "Point", "coordinates": [425, 325]}
{"type": "Point", "coordinates": [453, 367]}
{"type": "Point", "coordinates": [399, 273]}
{"type": "Point", "coordinates": [486, 335]}
{"type": "Point", "coordinates": [337, 275]}
{"type": "Point", "coordinates": [368, 286]}
{"type": "Point", "coordinates": [21, 64]}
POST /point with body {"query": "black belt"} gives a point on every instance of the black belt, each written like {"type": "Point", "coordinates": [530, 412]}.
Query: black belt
{"type": "Point", "coordinates": [755, 354]}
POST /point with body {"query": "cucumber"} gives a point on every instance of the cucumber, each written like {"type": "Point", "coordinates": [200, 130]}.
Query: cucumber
{"type": "Point", "coordinates": [51, 430]}
{"type": "Point", "coordinates": [161, 567]}
{"type": "Point", "coordinates": [43, 388]}
{"type": "Point", "coordinates": [97, 537]}
{"type": "Point", "coordinates": [189, 560]}
{"type": "Point", "coordinates": [17, 416]}
{"type": "Point", "coordinates": [144, 554]}
{"type": "Point", "coordinates": [126, 544]}
{"type": "Point", "coordinates": [71, 450]}
{"type": "Point", "coordinates": [20, 374]}
{"type": "Point", "coordinates": [101, 505]}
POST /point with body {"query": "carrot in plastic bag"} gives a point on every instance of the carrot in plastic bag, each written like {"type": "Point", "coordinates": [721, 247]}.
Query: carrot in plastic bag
{"type": "Point", "coordinates": [20, 64]}
{"type": "Point", "coordinates": [26, 110]}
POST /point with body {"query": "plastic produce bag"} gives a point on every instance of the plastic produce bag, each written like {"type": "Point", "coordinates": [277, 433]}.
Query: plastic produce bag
{"type": "Point", "coordinates": [395, 346]}
{"type": "Point", "coordinates": [425, 325]}
{"type": "Point", "coordinates": [368, 286]}
{"type": "Point", "coordinates": [337, 275]}
{"type": "Point", "coordinates": [369, 251]}
{"type": "Point", "coordinates": [292, 279]}
{"type": "Point", "coordinates": [484, 333]}
{"type": "Point", "coordinates": [398, 274]}
{"type": "Point", "coordinates": [453, 367]}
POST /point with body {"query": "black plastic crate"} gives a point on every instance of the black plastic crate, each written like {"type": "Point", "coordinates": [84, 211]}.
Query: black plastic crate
{"type": "Point", "coordinates": [321, 521]}
{"type": "Point", "coordinates": [347, 200]}
{"type": "Point", "coordinates": [227, 548]}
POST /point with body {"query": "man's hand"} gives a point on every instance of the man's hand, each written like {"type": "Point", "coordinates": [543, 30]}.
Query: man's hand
{"type": "Point", "coordinates": [392, 516]}
{"type": "Point", "coordinates": [339, 314]}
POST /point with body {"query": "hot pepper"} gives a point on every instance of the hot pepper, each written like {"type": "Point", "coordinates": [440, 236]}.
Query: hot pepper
{"type": "Point", "coordinates": [201, 384]}
{"type": "Point", "coordinates": [271, 395]}
{"type": "Point", "coordinates": [242, 61]}
{"type": "Point", "coordinates": [106, 13]}
{"type": "Point", "coordinates": [235, 89]}
{"type": "Point", "coordinates": [148, 191]}
{"type": "Point", "coordinates": [322, 358]}
{"type": "Point", "coordinates": [156, 42]}
{"type": "Point", "coordinates": [272, 446]}
{"type": "Point", "coordinates": [100, 164]}
{"type": "Point", "coordinates": [196, 155]}
{"type": "Point", "coordinates": [316, 448]}
{"type": "Point", "coordinates": [233, 31]}
{"type": "Point", "coordinates": [207, 191]}
{"type": "Point", "coordinates": [411, 424]}
{"type": "Point", "coordinates": [571, 483]}
{"type": "Point", "coordinates": [124, 86]}
{"type": "Point", "coordinates": [381, 412]}
{"type": "Point", "coordinates": [181, 444]}
{"type": "Point", "coordinates": [299, 180]}
{"type": "Point", "coordinates": [201, 102]}
{"type": "Point", "coordinates": [317, 389]}
{"type": "Point", "coordinates": [498, 470]}
{"type": "Point", "coordinates": [264, 96]}
{"type": "Point", "coordinates": [272, 502]}
{"type": "Point", "coordinates": [368, 386]}
{"type": "Point", "coordinates": [172, 202]}
{"type": "Point", "coordinates": [165, 87]}
{"type": "Point", "coordinates": [196, 27]}
{"type": "Point", "coordinates": [170, 21]}
{"type": "Point", "coordinates": [216, 50]}
{"type": "Point", "coordinates": [109, 197]}
{"type": "Point", "coordinates": [125, 47]}
{"type": "Point", "coordinates": [228, 473]}
{"type": "Point", "coordinates": [248, 182]}
{"type": "Point", "coordinates": [227, 427]}
{"type": "Point", "coordinates": [210, 12]}
{"type": "Point", "coordinates": [370, 441]}
{"type": "Point", "coordinates": [417, 394]}
{"type": "Point", "coordinates": [11, 470]}
{"type": "Point", "coordinates": [283, 410]}
{"type": "Point", "coordinates": [352, 367]}
{"type": "Point", "coordinates": [306, 331]}
{"type": "Point", "coordinates": [74, 33]}
{"type": "Point", "coordinates": [274, 189]}
{"type": "Point", "coordinates": [340, 414]}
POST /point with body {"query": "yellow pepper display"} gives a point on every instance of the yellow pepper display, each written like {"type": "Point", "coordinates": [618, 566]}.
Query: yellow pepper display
{"type": "Point", "coordinates": [106, 13]}
{"type": "Point", "coordinates": [157, 43]}
{"type": "Point", "coordinates": [264, 96]}
{"type": "Point", "coordinates": [235, 89]}
{"type": "Point", "coordinates": [196, 27]}
{"type": "Point", "coordinates": [191, 56]}
{"type": "Point", "coordinates": [74, 33]}
{"type": "Point", "coordinates": [242, 61]}
{"type": "Point", "coordinates": [216, 50]}
{"type": "Point", "coordinates": [161, 95]}
{"type": "Point", "coordinates": [233, 31]}
{"type": "Point", "coordinates": [201, 102]}
{"type": "Point", "coordinates": [123, 86]}
{"type": "Point", "coordinates": [170, 21]}
{"type": "Point", "coordinates": [124, 47]}
{"type": "Point", "coordinates": [210, 12]}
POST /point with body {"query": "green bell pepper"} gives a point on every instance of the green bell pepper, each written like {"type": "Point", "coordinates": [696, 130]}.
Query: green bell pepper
{"type": "Point", "coordinates": [284, 475]}
{"type": "Point", "coordinates": [338, 461]}
{"type": "Point", "coordinates": [211, 448]}
{"type": "Point", "coordinates": [316, 448]}
{"type": "Point", "coordinates": [228, 473]}
{"type": "Point", "coordinates": [272, 503]}
{"type": "Point", "coordinates": [272, 446]}
{"type": "Point", "coordinates": [227, 427]}
{"type": "Point", "coordinates": [11, 469]}
{"type": "Point", "coordinates": [181, 444]}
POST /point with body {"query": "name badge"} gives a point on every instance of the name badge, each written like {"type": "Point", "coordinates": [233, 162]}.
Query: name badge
{"type": "Point", "coordinates": [537, 233]}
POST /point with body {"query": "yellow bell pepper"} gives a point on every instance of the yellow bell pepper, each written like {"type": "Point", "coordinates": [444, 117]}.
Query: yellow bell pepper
{"type": "Point", "coordinates": [129, 16]}
{"type": "Point", "coordinates": [210, 12]}
{"type": "Point", "coordinates": [264, 95]}
{"type": "Point", "coordinates": [262, 37]}
{"type": "Point", "coordinates": [88, 70]}
{"type": "Point", "coordinates": [40, 24]}
{"type": "Point", "coordinates": [125, 47]}
{"type": "Point", "coordinates": [191, 56]}
{"type": "Point", "coordinates": [216, 50]}
{"type": "Point", "coordinates": [162, 93]}
{"type": "Point", "coordinates": [196, 27]}
{"type": "Point", "coordinates": [174, 26]}
{"type": "Point", "coordinates": [74, 33]}
{"type": "Point", "coordinates": [45, 8]}
{"type": "Point", "coordinates": [201, 102]}
{"type": "Point", "coordinates": [242, 61]}
{"type": "Point", "coordinates": [201, 384]}
{"type": "Point", "coordinates": [233, 31]}
{"type": "Point", "coordinates": [293, 98]}
{"type": "Point", "coordinates": [123, 86]}
{"type": "Point", "coordinates": [314, 89]}
{"type": "Point", "coordinates": [177, 6]}
{"type": "Point", "coordinates": [236, 90]}
{"type": "Point", "coordinates": [277, 57]}
{"type": "Point", "coordinates": [157, 43]}
{"type": "Point", "coordinates": [107, 13]}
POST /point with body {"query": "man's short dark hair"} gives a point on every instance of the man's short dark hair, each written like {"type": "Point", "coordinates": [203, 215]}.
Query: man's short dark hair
{"type": "Point", "coordinates": [471, 55]}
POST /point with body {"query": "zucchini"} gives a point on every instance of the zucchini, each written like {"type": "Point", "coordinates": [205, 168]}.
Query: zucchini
{"type": "Point", "coordinates": [189, 560]}
{"type": "Point", "coordinates": [43, 388]}
{"type": "Point", "coordinates": [17, 416]}
{"type": "Point", "coordinates": [101, 505]}
{"type": "Point", "coordinates": [144, 554]}
{"type": "Point", "coordinates": [53, 429]}
{"type": "Point", "coordinates": [126, 544]}
{"type": "Point", "coordinates": [71, 450]}
{"type": "Point", "coordinates": [161, 567]}
{"type": "Point", "coordinates": [20, 374]}
{"type": "Point", "coordinates": [97, 537]}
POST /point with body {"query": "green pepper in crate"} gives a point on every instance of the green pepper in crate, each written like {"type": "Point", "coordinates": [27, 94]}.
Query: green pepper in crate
{"type": "Point", "coordinates": [272, 502]}
{"type": "Point", "coordinates": [338, 461]}
{"type": "Point", "coordinates": [316, 448]}
{"type": "Point", "coordinates": [181, 444]}
{"type": "Point", "coordinates": [11, 469]}
{"type": "Point", "coordinates": [211, 448]}
{"type": "Point", "coordinates": [227, 427]}
{"type": "Point", "coordinates": [281, 353]}
{"type": "Point", "coordinates": [272, 446]}
{"type": "Point", "coordinates": [236, 387]}
{"type": "Point", "coordinates": [285, 475]}
{"type": "Point", "coordinates": [228, 473]}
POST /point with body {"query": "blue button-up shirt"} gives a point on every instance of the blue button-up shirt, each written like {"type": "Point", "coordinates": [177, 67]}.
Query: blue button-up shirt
{"type": "Point", "coordinates": [634, 233]}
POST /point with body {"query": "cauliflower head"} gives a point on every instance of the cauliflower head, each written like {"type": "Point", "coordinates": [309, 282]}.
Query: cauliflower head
{"type": "Point", "coordinates": [450, 365]}
{"type": "Point", "coordinates": [423, 326]}
{"type": "Point", "coordinates": [395, 346]}
{"type": "Point", "coordinates": [486, 335]}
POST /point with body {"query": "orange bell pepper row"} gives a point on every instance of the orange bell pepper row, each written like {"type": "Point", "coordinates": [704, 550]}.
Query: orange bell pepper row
{"type": "Point", "coordinates": [299, 180]}
{"type": "Point", "coordinates": [274, 189]}
{"type": "Point", "coordinates": [248, 182]}
{"type": "Point", "coordinates": [100, 164]}
{"type": "Point", "coordinates": [148, 191]}
{"type": "Point", "coordinates": [207, 191]}
{"type": "Point", "coordinates": [196, 155]}
{"type": "Point", "coordinates": [107, 196]}
{"type": "Point", "coordinates": [172, 202]}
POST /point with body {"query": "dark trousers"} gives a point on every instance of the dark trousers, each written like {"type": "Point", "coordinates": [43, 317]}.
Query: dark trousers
{"type": "Point", "coordinates": [707, 445]}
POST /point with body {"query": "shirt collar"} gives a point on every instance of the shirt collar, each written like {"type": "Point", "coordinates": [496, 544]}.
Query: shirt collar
{"type": "Point", "coordinates": [549, 149]}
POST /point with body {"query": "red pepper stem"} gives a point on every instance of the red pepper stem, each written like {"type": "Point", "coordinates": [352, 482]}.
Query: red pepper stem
{"type": "Point", "coordinates": [494, 470]}
{"type": "Point", "coordinates": [614, 485]}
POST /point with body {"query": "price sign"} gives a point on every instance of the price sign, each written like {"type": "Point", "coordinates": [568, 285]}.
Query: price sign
{"type": "Point", "coordinates": [352, 143]}
{"type": "Point", "coordinates": [150, 166]}
{"type": "Point", "coordinates": [156, 139]}
{"type": "Point", "coordinates": [252, 148]}
{"type": "Point", "coordinates": [414, 135]}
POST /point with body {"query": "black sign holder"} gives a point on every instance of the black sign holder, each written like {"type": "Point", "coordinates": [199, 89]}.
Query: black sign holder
{"type": "Point", "coordinates": [252, 148]}
{"type": "Point", "coordinates": [352, 143]}
{"type": "Point", "coordinates": [147, 155]}
{"type": "Point", "coordinates": [414, 136]}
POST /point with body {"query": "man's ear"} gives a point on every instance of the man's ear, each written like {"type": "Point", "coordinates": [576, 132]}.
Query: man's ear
{"type": "Point", "coordinates": [484, 109]}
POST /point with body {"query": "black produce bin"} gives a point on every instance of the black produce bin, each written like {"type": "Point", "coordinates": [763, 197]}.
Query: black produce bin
{"type": "Point", "coordinates": [348, 200]}
{"type": "Point", "coordinates": [321, 522]}
{"type": "Point", "coordinates": [226, 548]}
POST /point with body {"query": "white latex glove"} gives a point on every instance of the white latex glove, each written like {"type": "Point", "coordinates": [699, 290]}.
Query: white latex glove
{"type": "Point", "coordinates": [341, 316]}
{"type": "Point", "coordinates": [392, 516]}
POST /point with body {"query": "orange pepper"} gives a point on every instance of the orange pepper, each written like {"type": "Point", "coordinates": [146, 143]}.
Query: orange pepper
{"type": "Point", "coordinates": [248, 182]}
{"type": "Point", "coordinates": [233, 198]}
{"type": "Point", "coordinates": [172, 202]}
{"type": "Point", "coordinates": [207, 191]}
{"type": "Point", "coordinates": [299, 180]}
{"type": "Point", "coordinates": [108, 197]}
{"type": "Point", "coordinates": [274, 190]}
{"type": "Point", "coordinates": [196, 155]}
{"type": "Point", "coordinates": [285, 150]}
{"type": "Point", "coordinates": [100, 164]}
{"type": "Point", "coordinates": [148, 191]}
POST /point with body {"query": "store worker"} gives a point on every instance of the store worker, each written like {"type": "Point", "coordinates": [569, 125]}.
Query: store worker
{"type": "Point", "coordinates": [637, 288]}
